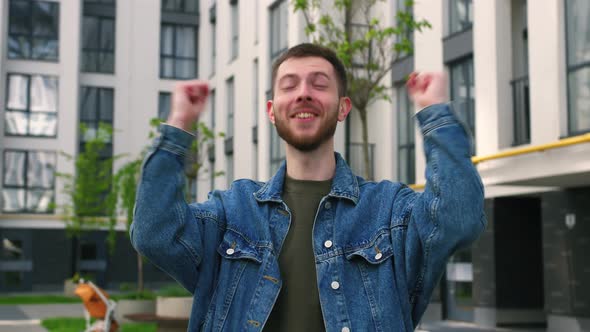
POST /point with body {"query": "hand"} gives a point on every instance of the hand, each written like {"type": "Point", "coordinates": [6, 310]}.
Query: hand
{"type": "Point", "coordinates": [188, 102]}
{"type": "Point", "coordinates": [427, 88]}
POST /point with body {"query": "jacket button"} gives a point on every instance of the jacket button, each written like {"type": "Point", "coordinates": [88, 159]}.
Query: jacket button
{"type": "Point", "coordinates": [378, 256]}
{"type": "Point", "coordinates": [328, 205]}
{"type": "Point", "coordinates": [345, 329]}
{"type": "Point", "coordinates": [328, 244]}
{"type": "Point", "coordinates": [230, 251]}
{"type": "Point", "coordinates": [335, 285]}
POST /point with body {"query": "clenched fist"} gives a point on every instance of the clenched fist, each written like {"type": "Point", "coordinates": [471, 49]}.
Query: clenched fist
{"type": "Point", "coordinates": [188, 102]}
{"type": "Point", "coordinates": [427, 89]}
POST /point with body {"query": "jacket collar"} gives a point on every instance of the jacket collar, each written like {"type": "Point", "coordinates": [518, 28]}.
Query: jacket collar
{"type": "Point", "coordinates": [344, 184]}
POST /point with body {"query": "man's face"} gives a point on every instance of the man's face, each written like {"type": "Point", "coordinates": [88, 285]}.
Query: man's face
{"type": "Point", "coordinates": [306, 106]}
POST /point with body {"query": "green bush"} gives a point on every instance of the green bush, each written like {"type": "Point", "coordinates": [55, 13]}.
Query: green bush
{"type": "Point", "coordinates": [173, 290]}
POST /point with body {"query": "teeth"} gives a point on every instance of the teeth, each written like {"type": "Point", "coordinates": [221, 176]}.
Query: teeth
{"type": "Point", "coordinates": [304, 115]}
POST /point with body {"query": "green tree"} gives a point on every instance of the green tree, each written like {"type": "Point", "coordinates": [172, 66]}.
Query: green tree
{"type": "Point", "coordinates": [368, 49]}
{"type": "Point", "coordinates": [91, 198]}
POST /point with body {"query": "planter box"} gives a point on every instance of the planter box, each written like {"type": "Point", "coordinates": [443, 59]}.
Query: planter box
{"type": "Point", "coordinates": [174, 307]}
{"type": "Point", "coordinates": [126, 307]}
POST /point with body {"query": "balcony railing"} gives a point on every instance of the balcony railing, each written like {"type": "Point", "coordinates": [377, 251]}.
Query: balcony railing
{"type": "Point", "coordinates": [356, 161]}
{"type": "Point", "coordinates": [521, 110]}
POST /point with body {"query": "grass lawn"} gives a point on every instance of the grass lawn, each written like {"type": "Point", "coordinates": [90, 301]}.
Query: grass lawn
{"type": "Point", "coordinates": [60, 324]}
{"type": "Point", "coordinates": [38, 299]}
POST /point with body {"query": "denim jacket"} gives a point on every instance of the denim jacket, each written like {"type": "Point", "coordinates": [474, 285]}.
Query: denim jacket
{"type": "Point", "coordinates": [380, 248]}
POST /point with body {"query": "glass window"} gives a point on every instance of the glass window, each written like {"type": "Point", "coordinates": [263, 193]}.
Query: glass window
{"type": "Point", "coordinates": [33, 30]}
{"type": "Point", "coordinates": [279, 24]}
{"type": "Point", "coordinates": [164, 103]}
{"type": "Point", "coordinates": [463, 93]}
{"type": "Point", "coordinates": [212, 124]}
{"type": "Point", "coordinates": [406, 142]}
{"type": "Point", "coordinates": [31, 106]}
{"type": "Point", "coordinates": [28, 181]}
{"type": "Point", "coordinates": [96, 106]}
{"type": "Point", "coordinates": [255, 92]}
{"type": "Point", "coordinates": [213, 22]}
{"type": "Point", "coordinates": [235, 28]}
{"type": "Point", "coordinates": [180, 6]}
{"type": "Point", "coordinates": [578, 63]}
{"type": "Point", "coordinates": [230, 108]}
{"type": "Point", "coordinates": [402, 10]}
{"type": "Point", "coordinates": [178, 51]}
{"type": "Point", "coordinates": [229, 174]}
{"type": "Point", "coordinates": [460, 15]}
{"type": "Point", "coordinates": [98, 42]}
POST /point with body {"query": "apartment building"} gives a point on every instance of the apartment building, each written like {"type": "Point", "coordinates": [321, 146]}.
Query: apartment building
{"type": "Point", "coordinates": [519, 80]}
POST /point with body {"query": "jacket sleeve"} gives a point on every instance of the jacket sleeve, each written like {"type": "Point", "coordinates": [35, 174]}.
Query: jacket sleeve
{"type": "Point", "coordinates": [448, 215]}
{"type": "Point", "coordinates": [172, 234]}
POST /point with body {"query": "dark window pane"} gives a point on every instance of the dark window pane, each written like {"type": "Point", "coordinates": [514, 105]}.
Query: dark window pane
{"type": "Point", "coordinates": [14, 168]}
{"type": "Point", "coordinates": [20, 17]}
{"type": "Point", "coordinates": [185, 68]}
{"type": "Point", "coordinates": [106, 105]}
{"type": "Point", "coordinates": [43, 124]}
{"type": "Point", "coordinates": [578, 28]}
{"type": "Point", "coordinates": [163, 106]}
{"type": "Point", "coordinates": [18, 90]}
{"type": "Point", "coordinates": [106, 62]}
{"type": "Point", "coordinates": [89, 61]}
{"type": "Point", "coordinates": [107, 41]}
{"type": "Point", "coordinates": [579, 100]}
{"type": "Point", "coordinates": [19, 47]}
{"type": "Point", "coordinates": [16, 123]}
{"type": "Point", "coordinates": [167, 67]}
{"type": "Point", "coordinates": [88, 251]}
{"type": "Point", "coordinates": [88, 102]}
{"type": "Point", "coordinates": [90, 32]}
{"type": "Point", "coordinates": [13, 200]}
{"type": "Point", "coordinates": [167, 41]}
{"type": "Point", "coordinates": [191, 6]}
{"type": "Point", "coordinates": [45, 49]}
{"type": "Point", "coordinates": [185, 42]}
{"type": "Point", "coordinates": [43, 94]}
{"type": "Point", "coordinates": [45, 19]}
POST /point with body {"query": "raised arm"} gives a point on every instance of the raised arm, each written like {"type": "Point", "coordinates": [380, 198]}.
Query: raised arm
{"type": "Point", "coordinates": [449, 213]}
{"type": "Point", "coordinates": [165, 228]}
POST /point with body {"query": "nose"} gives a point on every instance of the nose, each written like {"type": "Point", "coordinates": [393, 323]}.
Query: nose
{"type": "Point", "coordinates": [304, 93]}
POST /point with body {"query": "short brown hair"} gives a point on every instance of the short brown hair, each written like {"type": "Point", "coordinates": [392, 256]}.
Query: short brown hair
{"type": "Point", "coordinates": [311, 50]}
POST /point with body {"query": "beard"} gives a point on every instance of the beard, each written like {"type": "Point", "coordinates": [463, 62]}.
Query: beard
{"type": "Point", "coordinates": [308, 143]}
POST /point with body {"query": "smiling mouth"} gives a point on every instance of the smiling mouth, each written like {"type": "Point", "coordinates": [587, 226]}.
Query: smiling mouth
{"type": "Point", "coordinates": [304, 115]}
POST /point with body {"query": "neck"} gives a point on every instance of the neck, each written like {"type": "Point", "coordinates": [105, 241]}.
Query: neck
{"type": "Point", "coordinates": [316, 165]}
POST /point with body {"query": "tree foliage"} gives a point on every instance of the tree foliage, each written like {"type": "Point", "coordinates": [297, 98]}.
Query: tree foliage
{"type": "Point", "coordinates": [367, 48]}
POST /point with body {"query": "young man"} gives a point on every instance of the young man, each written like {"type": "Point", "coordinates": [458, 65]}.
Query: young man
{"type": "Point", "coordinates": [315, 248]}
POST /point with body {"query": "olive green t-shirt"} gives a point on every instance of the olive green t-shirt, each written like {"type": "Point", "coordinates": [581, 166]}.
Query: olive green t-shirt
{"type": "Point", "coordinates": [298, 305]}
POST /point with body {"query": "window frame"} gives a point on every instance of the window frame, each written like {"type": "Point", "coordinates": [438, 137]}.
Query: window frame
{"type": "Point", "coordinates": [97, 119]}
{"type": "Point", "coordinates": [175, 57]}
{"type": "Point", "coordinates": [470, 123]}
{"type": "Point", "coordinates": [28, 111]}
{"type": "Point", "coordinates": [30, 37]}
{"type": "Point", "coordinates": [451, 17]}
{"type": "Point", "coordinates": [107, 12]}
{"type": "Point", "coordinates": [25, 187]}
{"type": "Point", "coordinates": [410, 140]}
{"type": "Point", "coordinates": [234, 30]}
{"type": "Point", "coordinates": [571, 70]}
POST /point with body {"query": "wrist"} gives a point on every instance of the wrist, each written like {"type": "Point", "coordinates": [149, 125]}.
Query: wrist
{"type": "Point", "coordinates": [183, 124]}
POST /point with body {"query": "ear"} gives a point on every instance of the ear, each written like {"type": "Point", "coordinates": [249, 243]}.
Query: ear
{"type": "Point", "coordinates": [344, 108]}
{"type": "Point", "coordinates": [270, 111]}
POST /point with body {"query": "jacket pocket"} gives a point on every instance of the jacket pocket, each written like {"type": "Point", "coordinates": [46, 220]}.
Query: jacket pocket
{"type": "Point", "coordinates": [235, 247]}
{"type": "Point", "coordinates": [375, 251]}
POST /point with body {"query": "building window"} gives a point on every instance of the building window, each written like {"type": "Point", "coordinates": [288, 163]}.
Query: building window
{"type": "Point", "coordinates": [235, 29]}
{"type": "Point", "coordinates": [212, 147]}
{"type": "Point", "coordinates": [279, 19]}
{"type": "Point", "coordinates": [96, 107]}
{"type": "Point", "coordinates": [180, 6]}
{"type": "Point", "coordinates": [29, 181]}
{"type": "Point", "coordinates": [33, 30]}
{"type": "Point", "coordinates": [406, 162]}
{"type": "Point", "coordinates": [98, 37]}
{"type": "Point", "coordinates": [230, 107]}
{"type": "Point", "coordinates": [463, 93]}
{"type": "Point", "coordinates": [229, 172]}
{"type": "Point", "coordinates": [31, 106]}
{"type": "Point", "coordinates": [578, 65]}
{"type": "Point", "coordinates": [279, 24]}
{"type": "Point", "coordinates": [213, 23]}
{"type": "Point", "coordinates": [460, 15]}
{"type": "Point", "coordinates": [164, 100]}
{"type": "Point", "coordinates": [178, 47]}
